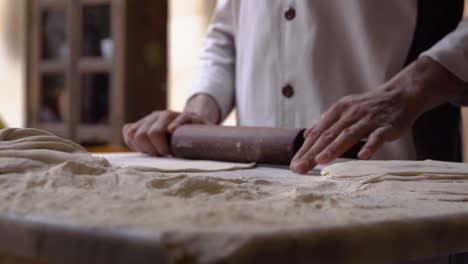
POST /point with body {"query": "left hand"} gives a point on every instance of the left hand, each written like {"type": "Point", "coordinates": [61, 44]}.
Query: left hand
{"type": "Point", "coordinates": [381, 115]}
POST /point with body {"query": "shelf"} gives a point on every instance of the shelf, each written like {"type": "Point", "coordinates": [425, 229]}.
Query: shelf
{"type": "Point", "coordinates": [52, 4]}
{"type": "Point", "coordinates": [96, 31]}
{"type": "Point", "coordinates": [82, 78]}
{"type": "Point", "coordinates": [91, 65]}
{"type": "Point", "coordinates": [106, 148]}
{"type": "Point", "coordinates": [95, 99]}
{"type": "Point", "coordinates": [95, 2]}
{"type": "Point", "coordinates": [52, 67]}
{"type": "Point", "coordinates": [93, 134]}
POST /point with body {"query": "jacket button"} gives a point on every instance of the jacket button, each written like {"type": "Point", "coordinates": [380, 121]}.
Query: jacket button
{"type": "Point", "coordinates": [290, 14]}
{"type": "Point", "coordinates": [288, 91]}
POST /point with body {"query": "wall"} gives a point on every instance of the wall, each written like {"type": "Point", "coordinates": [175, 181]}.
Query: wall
{"type": "Point", "coordinates": [12, 61]}
{"type": "Point", "coordinates": [189, 21]}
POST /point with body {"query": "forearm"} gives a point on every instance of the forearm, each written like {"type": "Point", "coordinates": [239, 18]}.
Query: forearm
{"type": "Point", "coordinates": [431, 84]}
{"type": "Point", "coordinates": [205, 106]}
{"type": "Point", "coordinates": [212, 89]}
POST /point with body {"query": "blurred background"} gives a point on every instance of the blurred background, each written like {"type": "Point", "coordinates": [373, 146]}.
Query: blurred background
{"type": "Point", "coordinates": [187, 24]}
{"type": "Point", "coordinates": [13, 61]}
{"type": "Point", "coordinates": [82, 68]}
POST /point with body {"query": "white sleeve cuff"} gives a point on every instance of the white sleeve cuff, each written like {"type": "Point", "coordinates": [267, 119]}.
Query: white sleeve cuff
{"type": "Point", "coordinates": [218, 87]}
{"type": "Point", "coordinates": [216, 74]}
{"type": "Point", "coordinates": [452, 51]}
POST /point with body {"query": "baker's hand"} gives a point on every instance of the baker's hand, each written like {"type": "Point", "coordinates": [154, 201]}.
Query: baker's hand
{"type": "Point", "coordinates": [150, 134]}
{"type": "Point", "coordinates": [380, 116]}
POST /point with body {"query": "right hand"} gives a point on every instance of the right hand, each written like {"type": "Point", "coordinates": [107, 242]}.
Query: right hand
{"type": "Point", "coordinates": [150, 134]}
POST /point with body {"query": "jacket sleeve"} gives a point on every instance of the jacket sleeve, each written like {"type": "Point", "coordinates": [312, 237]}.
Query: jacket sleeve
{"type": "Point", "coordinates": [216, 70]}
{"type": "Point", "coordinates": [452, 53]}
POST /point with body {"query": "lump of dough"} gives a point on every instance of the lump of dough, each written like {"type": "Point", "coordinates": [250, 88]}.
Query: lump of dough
{"type": "Point", "coordinates": [23, 149]}
{"type": "Point", "coordinates": [357, 169]}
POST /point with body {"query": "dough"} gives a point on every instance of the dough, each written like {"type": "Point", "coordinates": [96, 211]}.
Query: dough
{"type": "Point", "coordinates": [414, 181]}
{"type": "Point", "coordinates": [378, 171]}
{"type": "Point", "coordinates": [30, 138]}
{"type": "Point", "coordinates": [146, 163]}
{"type": "Point", "coordinates": [28, 149]}
{"type": "Point", "coordinates": [46, 177]}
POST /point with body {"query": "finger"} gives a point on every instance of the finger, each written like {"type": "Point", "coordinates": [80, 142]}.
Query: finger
{"type": "Point", "coordinates": [325, 122]}
{"type": "Point", "coordinates": [347, 139]}
{"type": "Point", "coordinates": [180, 120]}
{"type": "Point", "coordinates": [375, 141]}
{"type": "Point", "coordinates": [308, 161]}
{"type": "Point", "coordinates": [310, 139]}
{"type": "Point", "coordinates": [158, 134]}
{"type": "Point", "coordinates": [312, 127]}
{"type": "Point", "coordinates": [130, 131]}
{"type": "Point", "coordinates": [142, 120]}
{"type": "Point", "coordinates": [141, 139]}
{"type": "Point", "coordinates": [125, 135]}
{"type": "Point", "coordinates": [308, 142]}
{"type": "Point", "coordinates": [295, 164]}
{"type": "Point", "coordinates": [309, 130]}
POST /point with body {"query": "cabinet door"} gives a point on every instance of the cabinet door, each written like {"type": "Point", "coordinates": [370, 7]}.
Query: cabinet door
{"type": "Point", "coordinates": [95, 71]}
{"type": "Point", "coordinates": [49, 52]}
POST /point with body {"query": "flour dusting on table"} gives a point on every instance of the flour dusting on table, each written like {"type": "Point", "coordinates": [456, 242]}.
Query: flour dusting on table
{"type": "Point", "coordinates": [42, 175]}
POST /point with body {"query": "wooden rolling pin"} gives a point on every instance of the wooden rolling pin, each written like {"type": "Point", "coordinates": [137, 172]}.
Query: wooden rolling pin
{"type": "Point", "coordinates": [276, 146]}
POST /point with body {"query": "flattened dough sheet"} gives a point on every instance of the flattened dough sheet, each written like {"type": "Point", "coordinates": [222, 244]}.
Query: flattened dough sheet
{"type": "Point", "coordinates": [398, 170]}
{"type": "Point", "coordinates": [143, 162]}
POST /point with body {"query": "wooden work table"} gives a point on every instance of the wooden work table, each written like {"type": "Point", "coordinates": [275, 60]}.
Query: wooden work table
{"type": "Point", "coordinates": [30, 239]}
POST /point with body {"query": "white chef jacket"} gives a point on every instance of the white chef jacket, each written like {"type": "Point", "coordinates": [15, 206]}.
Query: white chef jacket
{"type": "Point", "coordinates": [282, 63]}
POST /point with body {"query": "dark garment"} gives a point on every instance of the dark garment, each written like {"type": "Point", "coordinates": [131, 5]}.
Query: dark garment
{"type": "Point", "coordinates": [437, 133]}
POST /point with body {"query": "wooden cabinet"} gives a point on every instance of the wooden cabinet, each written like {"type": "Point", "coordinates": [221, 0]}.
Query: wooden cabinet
{"type": "Point", "coordinates": [94, 65]}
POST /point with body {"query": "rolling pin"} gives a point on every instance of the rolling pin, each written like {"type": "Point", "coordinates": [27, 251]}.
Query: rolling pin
{"type": "Point", "coordinates": [275, 146]}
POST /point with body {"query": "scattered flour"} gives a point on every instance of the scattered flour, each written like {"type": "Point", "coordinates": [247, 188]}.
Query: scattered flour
{"type": "Point", "coordinates": [43, 175]}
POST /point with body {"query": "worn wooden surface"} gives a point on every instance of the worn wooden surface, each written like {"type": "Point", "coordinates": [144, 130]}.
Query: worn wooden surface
{"type": "Point", "coordinates": [415, 241]}
{"type": "Point", "coordinates": [59, 242]}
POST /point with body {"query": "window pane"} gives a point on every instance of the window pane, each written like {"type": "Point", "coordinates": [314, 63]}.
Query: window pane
{"type": "Point", "coordinates": [54, 45]}
{"type": "Point", "coordinates": [96, 31]}
{"type": "Point", "coordinates": [95, 99]}
{"type": "Point", "coordinates": [53, 99]}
